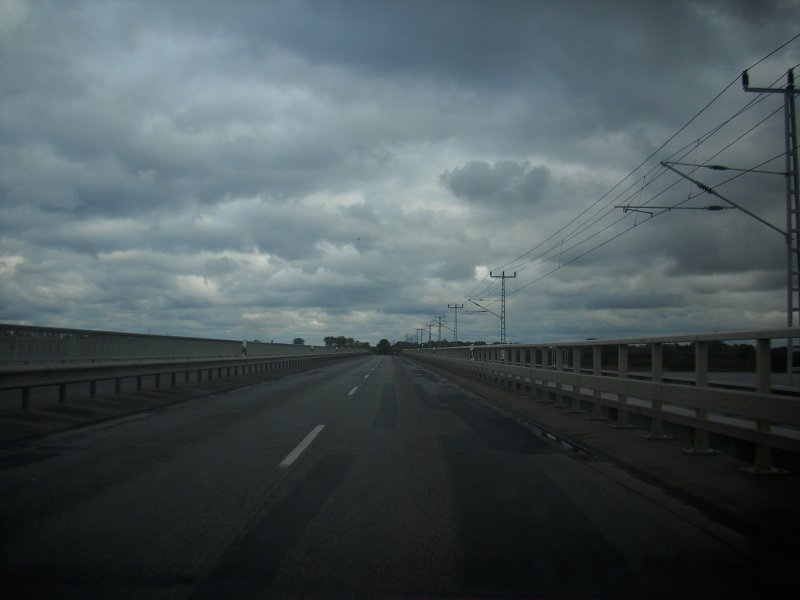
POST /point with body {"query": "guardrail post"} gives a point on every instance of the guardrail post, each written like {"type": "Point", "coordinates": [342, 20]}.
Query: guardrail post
{"type": "Point", "coordinates": [138, 383]}
{"type": "Point", "coordinates": [597, 369]}
{"type": "Point", "coordinates": [657, 366]}
{"type": "Point", "coordinates": [762, 464]}
{"type": "Point", "coordinates": [622, 373]}
{"type": "Point", "coordinates": [26, 398]}
{"type": "Point", "coordinates": [700, 447]}
{"type": "Point", "coordinates": [117, 385]}
{"type": "Point", "coordinates": [173, 376]}
{"type": "Point", "coordinates": [62, 393]}
{"type": "Point", "coordinates": [158, 380]}
{"type": "Point", "coordinates": [93, 389]}
{"type": "Point", "coordinates": [576, 389]}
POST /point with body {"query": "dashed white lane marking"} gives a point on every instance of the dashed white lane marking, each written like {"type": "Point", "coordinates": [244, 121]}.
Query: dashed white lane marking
{"type": "Point", "coordinates": [300, 448]}
{"type": "Point", "coordinates": [353, 391]}
{"type": "Point", "coordinates": [366, 376]}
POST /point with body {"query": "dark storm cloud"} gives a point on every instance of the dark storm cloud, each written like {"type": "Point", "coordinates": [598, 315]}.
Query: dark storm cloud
{"type": "Point", "coordinates": [581, 49]}
{"type": "Point", "coordinates": [506, 183]}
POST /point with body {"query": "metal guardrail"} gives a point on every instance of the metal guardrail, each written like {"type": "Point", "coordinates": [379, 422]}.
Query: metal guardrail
{"type": "Point", "coordinates": [26, 378]}
{"type": "Point", "coordinates": [757, 411]}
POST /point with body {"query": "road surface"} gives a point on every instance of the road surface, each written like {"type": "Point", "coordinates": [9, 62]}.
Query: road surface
{"type": "Point", "coordinates": [371, 478]}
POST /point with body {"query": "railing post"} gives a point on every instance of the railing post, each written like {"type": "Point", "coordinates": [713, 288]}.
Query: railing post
{"type": "Point", "coordinates": [541, 388]}
{"type": "Point", "coordinates": [701, 446]}
{"type": "Point", "coordinates": [656, 422]}
{"type": "Point", "coordinates": [597, 370]}
{"type": "Point", "coordinates": [138, 383]}
{"type": "Point", "coordinates": [559, 386]}
{"type": "Point", "coordinates": [545, 388]}
{"type": "Point", "coordinates": [117, 385]}
{"type": "Point", "coordinates": [763, 458]}
{"type": "Point", "coordinates": [622, 373]}
{"type": "Point", "coordinates": [26, 398]}
{"type": "Point", "coordinates": [576, 389]}
{"type": "Point", "coordinates": [62, 393]}
{"type": "Point", "coordinates": [93, 389]}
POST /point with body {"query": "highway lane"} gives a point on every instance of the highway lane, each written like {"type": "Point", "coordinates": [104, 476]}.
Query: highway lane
{"type": "Point", "coordinates": [368, 478]}
{"type": "Point", "coordinates": [151, 500]}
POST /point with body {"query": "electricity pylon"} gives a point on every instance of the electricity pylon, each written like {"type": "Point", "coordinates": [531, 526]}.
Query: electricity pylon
{"type": "Point", "coordinates": [792, 199]}
{"type": "Point", "coordinates": [503, 278]}
{"type": "Point", "coordinates": [455, 308]}
{"type": "Point", "coordinates": [439, 339]}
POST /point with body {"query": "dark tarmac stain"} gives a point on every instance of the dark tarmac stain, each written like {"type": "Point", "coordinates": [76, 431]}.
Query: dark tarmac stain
{"type": "Point", "coordinates": [13, 461]}
{"type": "Point", "coordinates": [250, 566]}
{"type": "Point", "coordinates": [386, 416]}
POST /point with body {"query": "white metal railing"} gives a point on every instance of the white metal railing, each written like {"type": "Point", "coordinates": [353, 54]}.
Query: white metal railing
{"type": "Point", "coordinates": [759, 405]}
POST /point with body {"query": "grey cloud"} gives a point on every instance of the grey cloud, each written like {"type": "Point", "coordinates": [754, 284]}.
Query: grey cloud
{"type": "Point", "coordinates": [204, 166]}
{"type": "Point", "coordinates": [505, 183]}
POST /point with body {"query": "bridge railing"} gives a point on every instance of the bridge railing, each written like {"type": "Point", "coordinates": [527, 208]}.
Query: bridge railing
{"type": "Point", "coordinates": [598, 378]}
{"type": "Point", "coordinates": [32, 358]}
{"type": "Point", "coordinates": [22, 344]}
{"type": "Point", "coordinates": [25, 379]}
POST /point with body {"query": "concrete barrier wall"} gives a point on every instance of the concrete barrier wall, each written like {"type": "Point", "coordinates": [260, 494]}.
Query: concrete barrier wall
{"type": "Point", "coordinates": [23, 344]}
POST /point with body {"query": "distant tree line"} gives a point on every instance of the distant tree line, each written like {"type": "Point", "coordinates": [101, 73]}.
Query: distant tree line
{"type": "Point", "coordinates": [432, 344]}
{"type": "Point", "coordinates": [345, 342]}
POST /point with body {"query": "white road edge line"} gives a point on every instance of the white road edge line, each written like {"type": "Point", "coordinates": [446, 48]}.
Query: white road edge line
{"type": "Point", "coordinates": [301, 447]}
{"type": "Point", "coordinates": [353, 391]}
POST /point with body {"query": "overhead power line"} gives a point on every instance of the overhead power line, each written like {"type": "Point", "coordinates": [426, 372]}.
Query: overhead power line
{"type": "Point", "coordinates": [593, 215]}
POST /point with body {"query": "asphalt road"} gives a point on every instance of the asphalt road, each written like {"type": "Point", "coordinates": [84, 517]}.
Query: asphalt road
{"type": "Point", "coordinates": [372, 478]}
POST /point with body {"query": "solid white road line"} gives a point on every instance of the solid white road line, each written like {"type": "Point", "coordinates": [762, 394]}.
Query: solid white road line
{"type": "Point", "coordinates": [353, 391]}
{"type": "Point", "coordinates": [300, 448]}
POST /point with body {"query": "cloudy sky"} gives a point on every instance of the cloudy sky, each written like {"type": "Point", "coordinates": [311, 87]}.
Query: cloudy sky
{"type": "Point", "coordinates": [267, 170]}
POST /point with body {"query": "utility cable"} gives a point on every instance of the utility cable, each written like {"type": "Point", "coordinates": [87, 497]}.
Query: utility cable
{"type": "Point", "coordinates": [594, 219]}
